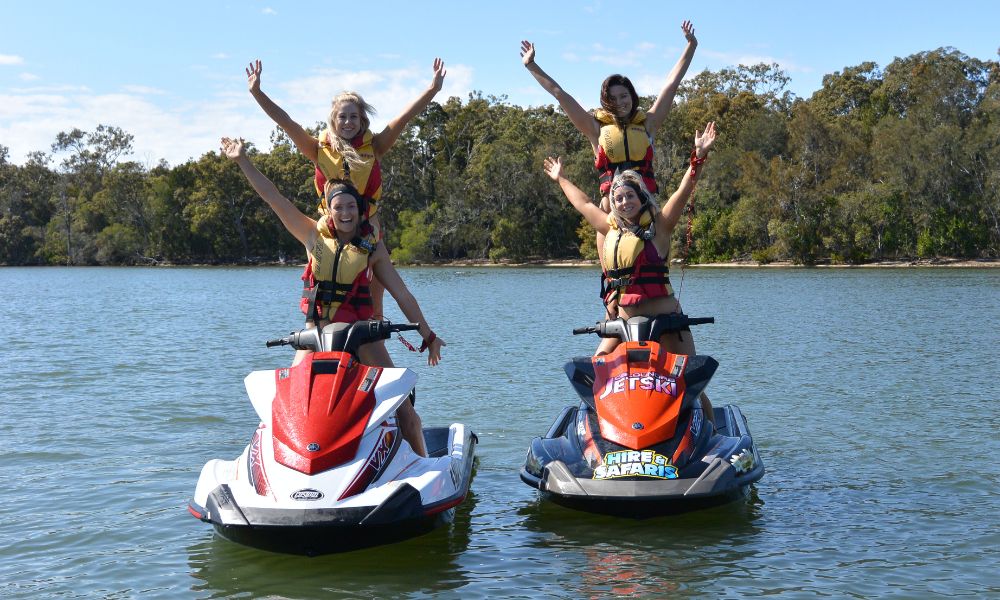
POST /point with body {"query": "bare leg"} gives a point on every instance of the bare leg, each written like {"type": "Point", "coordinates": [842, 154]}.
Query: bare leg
{"type": "Point", "coordinates": [409, 421]}
{"type": "Point", "coordinates": [606, 346]}
{"type": "Point", "coordinates": [685, 345]}
{"type": "Point", "coordinates": [299, 355]}
{"type": "Point", "coordinates": [412, 427]}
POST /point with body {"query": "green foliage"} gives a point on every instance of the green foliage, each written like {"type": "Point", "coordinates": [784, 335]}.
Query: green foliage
{"type": "Point", "coordinates": [118, 244]}
{"type": "Point", "coordinates": [14, 247]}
{"type": "Point", "coordinates": [414, 239]}
{"type": "Point", "coordinates": [880, 163]}
{"type": "Point", "coordinates": [588, 240]}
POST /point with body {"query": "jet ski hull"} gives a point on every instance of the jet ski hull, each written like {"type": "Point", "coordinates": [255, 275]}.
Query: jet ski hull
{"type": "Point", "coordinates": [556, 467]}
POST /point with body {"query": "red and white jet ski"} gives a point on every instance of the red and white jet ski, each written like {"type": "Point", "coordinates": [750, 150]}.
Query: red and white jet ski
{"type": "Point", "coordinates": [327, 468]}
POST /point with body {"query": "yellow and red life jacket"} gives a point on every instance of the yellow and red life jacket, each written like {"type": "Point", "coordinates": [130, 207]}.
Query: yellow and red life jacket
{"type": "Point", "coordinates": [337, 279]}
{"type": "Point", "coordinates": [633, 270]}
{"type": "Point", "coordinates": [330, 164]}
{"type": "Point", "coordinates": [622, 149]}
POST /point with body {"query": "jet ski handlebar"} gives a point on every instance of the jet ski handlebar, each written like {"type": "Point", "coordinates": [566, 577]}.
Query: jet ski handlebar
{"type": "Point", "coordinates": [341, 337]}
{"type": "Point", "coordinates": [641, 329]}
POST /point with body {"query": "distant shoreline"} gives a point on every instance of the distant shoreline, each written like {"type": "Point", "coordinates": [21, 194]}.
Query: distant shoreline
{"type": "Point", "coordinates": [887, 264]}
{"type": "Point", "coordinates": [959, 263]}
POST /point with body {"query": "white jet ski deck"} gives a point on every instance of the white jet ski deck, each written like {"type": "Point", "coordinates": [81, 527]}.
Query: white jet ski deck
{"type": "Point", "coordinates": [327, 468]}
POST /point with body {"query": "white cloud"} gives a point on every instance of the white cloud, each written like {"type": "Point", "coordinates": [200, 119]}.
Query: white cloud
{"type": "Point", "coordinates": [166, 127]}
{"type": "Point", "coordinates": [390, 92]}
{"type": "Point", "coordinates": [637, 55]}
{"type": "Point", "coordinates": [50, 89]}
{"type": "Point", "coordinates": [269, 11]}
{"type": "Point", "coordinates": [28, 77]}
{"type": "Point", "coordinates": [732, 59]}
{"type": "Point", "coordinates": [11, 59]}
{"type": "Point", "coordinates": [649, 84]}
{"type": "Point", "coordinates": [30, 121]}
{"type": "Point", "coordinates": [142, 90]}
{"type": "Point", "coordinates": [220, 56]}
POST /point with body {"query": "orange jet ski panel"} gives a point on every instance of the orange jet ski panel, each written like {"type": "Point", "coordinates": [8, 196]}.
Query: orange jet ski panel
{"type": "Point", "coordinates": [638, 392]}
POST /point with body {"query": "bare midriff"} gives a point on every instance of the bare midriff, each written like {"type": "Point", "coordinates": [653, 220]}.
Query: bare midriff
{"type": "Point", "coordinates": [651, 307]}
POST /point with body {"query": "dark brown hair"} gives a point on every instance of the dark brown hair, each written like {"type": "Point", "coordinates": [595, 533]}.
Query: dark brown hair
{"type": "Point", "coordinates": [336, 187]}
{"type": "Point", "coordinates": [609, 105]}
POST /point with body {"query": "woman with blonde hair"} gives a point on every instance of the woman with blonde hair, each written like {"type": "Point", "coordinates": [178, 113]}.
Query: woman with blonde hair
{"type": "Point", "coordinates": [343, 255]}
{"type": "Point", "coordinates": [347, 149]}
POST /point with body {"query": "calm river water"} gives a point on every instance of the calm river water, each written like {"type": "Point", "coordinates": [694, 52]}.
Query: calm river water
{"type": "Point", "coordinates": [872, 394]}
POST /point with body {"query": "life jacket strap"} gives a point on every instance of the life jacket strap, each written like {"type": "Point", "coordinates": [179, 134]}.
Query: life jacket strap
{"type": "Point", "coordinates": [624, 277]}
{"type": "Point", "coordinates": [639, 166]}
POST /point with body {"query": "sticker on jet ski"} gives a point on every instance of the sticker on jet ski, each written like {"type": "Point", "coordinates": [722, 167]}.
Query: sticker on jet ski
{"type": "Point", "coordinates": [635, 463]}
{"type": "Point", "coordinates": [649, 380]}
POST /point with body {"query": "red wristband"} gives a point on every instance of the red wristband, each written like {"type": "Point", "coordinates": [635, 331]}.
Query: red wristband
{"type": "Point", "coordinates": [696, 162]}
{"type": "Point", "coordinates": [427, 343]}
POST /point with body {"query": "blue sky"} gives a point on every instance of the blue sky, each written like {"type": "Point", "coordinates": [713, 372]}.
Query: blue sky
{"type": "Point", "coordinates": [171, 73]}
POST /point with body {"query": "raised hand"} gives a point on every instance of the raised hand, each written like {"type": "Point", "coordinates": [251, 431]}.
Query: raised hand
{"type": "Point", "coordinates": [688, 28]}
{"type": "Point", "coordinates": [439, 73]}
{"type": "Point", "coordinates": [233, 148]}
{"type": "Point", "coordinates": [553, 168]}
{"type": "Point", "coordinates": [703, 141]}
{"type": "Point", "coordinates": [527, 52]}
{"type": "Point", "coordinates": [253, 76]}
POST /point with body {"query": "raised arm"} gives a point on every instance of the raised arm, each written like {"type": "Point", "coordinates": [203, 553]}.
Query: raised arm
{"type": "Point", "coordinates": [389, 276]}
{"type": "Point", "coordinates": [298, 224]}
{"type": "Point", "coordinates": [661, 106]}
{"type": "Point", "coordinates": [671, 211]}
{"type": "Point", "coordinates": [300, 137]}
{"type": "Point", "coordinates": [384, 139]}
{"type": "Point", "coordinates": [597, 218]}
{"type": "Point", "coordinates": [580, 118]}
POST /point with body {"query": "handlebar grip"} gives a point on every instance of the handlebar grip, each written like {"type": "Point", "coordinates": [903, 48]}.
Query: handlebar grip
{"type": "Point", "coordinates": [406, 327]}
{"type": "Point", "coordinates": [580, 330]}
{"type": "Point", "coordinates": [278, 342]}
{"type": "Point", "coordinates": [700, 320]}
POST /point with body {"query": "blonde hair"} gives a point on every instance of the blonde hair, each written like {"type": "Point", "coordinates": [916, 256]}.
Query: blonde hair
{"type": "Point", "coordinates": [339, 144]}
{"type": "Point", "coordinates": [633, 180]}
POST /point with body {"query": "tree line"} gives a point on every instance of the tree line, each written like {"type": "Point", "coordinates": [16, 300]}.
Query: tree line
{"type": "Point", "coordinates": [892, 163]}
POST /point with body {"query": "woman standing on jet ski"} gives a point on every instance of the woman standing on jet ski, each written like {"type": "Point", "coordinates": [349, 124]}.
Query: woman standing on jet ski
{"type": "Point", "coordinates": [343, 254]}
{"type": "Point", "coordinates": [636, 251]}
{"type": "Point", "coordinates": [347, 149]}
{"type": "Point", "coordinates": [620, 134]}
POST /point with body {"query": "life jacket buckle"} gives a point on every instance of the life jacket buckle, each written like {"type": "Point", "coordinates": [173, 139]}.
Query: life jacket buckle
{"type": "Point", "coordinates": [619, 283]}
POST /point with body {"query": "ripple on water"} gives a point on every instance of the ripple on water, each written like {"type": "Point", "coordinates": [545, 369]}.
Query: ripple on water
{"type": "Point", "coordinates": [878, 436]}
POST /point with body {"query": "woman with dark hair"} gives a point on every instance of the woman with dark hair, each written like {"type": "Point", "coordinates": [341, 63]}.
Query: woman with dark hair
{"type": "Point", "coordinates": [619, 133]}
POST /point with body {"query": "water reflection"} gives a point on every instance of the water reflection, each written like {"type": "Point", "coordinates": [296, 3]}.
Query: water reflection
{"type": "Point", "coordinates": [223, 569]}
{"type": "Point", "coordinates": [643, 557]}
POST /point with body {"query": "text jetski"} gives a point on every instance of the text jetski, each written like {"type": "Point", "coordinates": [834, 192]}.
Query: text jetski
{"type": "Point", "coordinates": [638, 443]}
